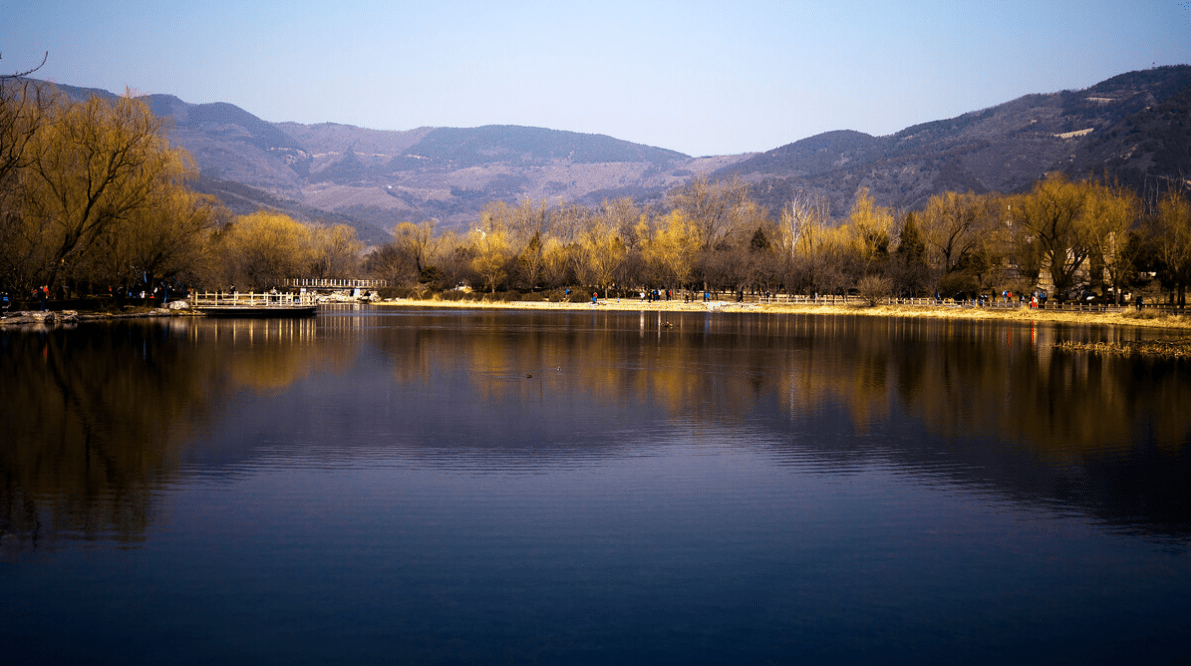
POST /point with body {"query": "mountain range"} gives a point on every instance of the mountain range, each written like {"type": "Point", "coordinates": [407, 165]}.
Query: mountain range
{"type": "Point", "coordinates": [1134, 128]}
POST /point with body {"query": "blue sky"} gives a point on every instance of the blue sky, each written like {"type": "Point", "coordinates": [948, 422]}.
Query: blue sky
{"type": "Point", "coordinates": [702, 78]}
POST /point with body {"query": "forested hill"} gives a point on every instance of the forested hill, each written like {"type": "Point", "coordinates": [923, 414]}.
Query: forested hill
{"type": "Point", "coordinates": [1135, 127]}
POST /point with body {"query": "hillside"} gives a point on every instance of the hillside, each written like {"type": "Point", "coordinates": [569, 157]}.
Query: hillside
{"type": "Point", "coordinates": [377, 178]}
{"type": "Point", "coordinates": [374, 179]}
{"type": "Point", "coordinates": [1132, 127]}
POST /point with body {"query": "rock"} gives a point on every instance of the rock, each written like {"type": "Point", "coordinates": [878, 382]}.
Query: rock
{"type": "Point", "coordinates": [18, 318]}
{"type": "Point", "coordinates": [178, 305]}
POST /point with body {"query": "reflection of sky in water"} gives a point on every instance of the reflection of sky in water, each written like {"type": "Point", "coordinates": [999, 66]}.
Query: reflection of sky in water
{"type": "Point", "coordinates": [374, 488]}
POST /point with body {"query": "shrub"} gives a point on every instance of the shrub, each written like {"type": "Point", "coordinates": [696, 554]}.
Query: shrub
{"type": "Point", "coordinates": [453, 295]}
{"type": "Point", "coordinates": [1135, 313]}
{"type": "Point", "coordinates": [874, 288]}
{"type": "Point", "coordinates": [401, 292]}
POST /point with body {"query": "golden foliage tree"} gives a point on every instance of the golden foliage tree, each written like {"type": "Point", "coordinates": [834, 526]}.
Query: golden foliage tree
{"type": "Point", "coordinates": [872, 229]}
{"type": "Point", "coordinates": [557, 261]}
{"type": "Point", "coordinates": [600, 253]}
{"type": "Point", "coordinates": [1172, 241]}
{"type": "Point", "coordinates": [1052, 215]}
{"type": "Point", "coordinates": [1111, 213]}
{"type": "Point", "coordinates": [170, 236]}
{"type": "Point", "coordinates": [95, 165]}
{"type": "Point", "coordinates": [492, 250]}
{"type": "Point", "coordinates": [669, 246]}
{"type": "Point", "coordinates": [23, 106]}
{"type": "Point", "coordinates": [953, 226]}
{"type": "Point", "coordinates": [334, 251]}
{"type": "Point", "coordinates": [263, 249]}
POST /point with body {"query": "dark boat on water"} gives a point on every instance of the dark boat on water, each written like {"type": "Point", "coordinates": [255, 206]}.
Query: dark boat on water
{"type": "Point", "coordinates": [258, 311]}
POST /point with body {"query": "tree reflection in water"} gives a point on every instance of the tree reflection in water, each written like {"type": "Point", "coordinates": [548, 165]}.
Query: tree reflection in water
{"type": "Point", "coordinates": [98, 418]}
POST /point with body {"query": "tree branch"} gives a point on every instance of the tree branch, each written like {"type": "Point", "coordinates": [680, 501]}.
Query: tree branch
{"type": "Point", "coordinates": [17, 75]}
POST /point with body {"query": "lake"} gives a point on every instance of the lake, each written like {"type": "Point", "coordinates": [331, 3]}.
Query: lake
{"type": "Point", "coordinates": [455, 486]}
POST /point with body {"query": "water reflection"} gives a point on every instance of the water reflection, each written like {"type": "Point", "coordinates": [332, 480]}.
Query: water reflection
{"type": "Point", "coordinates": [93, 421]}
{"type": "Point", "coordinates": [97, 419]}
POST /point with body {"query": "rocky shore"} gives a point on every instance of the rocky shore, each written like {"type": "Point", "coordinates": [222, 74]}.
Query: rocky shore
{"type": "Point", "coordinates": [27, 317]}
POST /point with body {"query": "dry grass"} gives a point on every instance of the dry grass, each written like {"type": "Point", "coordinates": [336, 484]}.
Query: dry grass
{"type": "Point", "coordinates": [1180, 348]}
{"type": "Point", "coordinates": [921, 311]}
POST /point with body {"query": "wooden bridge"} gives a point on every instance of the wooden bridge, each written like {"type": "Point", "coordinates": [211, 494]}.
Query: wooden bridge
{"type": "Point", "coordinates": [334, 284]}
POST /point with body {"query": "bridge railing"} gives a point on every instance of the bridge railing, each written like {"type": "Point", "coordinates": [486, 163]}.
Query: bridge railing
{"type": "Point", "coordinates": [252, 299]}
{"type": "Point", "coordinates": [335, 283]}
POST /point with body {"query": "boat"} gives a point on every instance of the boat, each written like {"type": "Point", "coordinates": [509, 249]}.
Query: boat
{"type": "Point", "coordinates": [258, 311]}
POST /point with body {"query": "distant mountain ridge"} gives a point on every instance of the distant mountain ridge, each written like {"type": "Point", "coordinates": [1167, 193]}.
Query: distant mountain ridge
{"type": "Point", "coordinates": [1134, 127]}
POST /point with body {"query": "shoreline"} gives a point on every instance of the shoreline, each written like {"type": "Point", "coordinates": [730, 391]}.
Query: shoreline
{"type": "Point", "coordinates": [62, 317]}
{"type": "Point", "coordinates": [953, 312]}
{"type": "Point", "coordinates": [1024, 314]}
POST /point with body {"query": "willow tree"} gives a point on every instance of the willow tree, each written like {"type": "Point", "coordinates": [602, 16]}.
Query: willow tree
{"type": "Point", "coordinates": [168, 237]}
{"type": "Point", "coordinates": [405, 259]}
{"type": "Point", "coordinates": [1172, 242]}
{"type": "Point", "coordinates": [558, 261]}
{"type": "Point", "coordinates": [334, 252]}
{"type": "Point", "coordinates": [600, 252]}
{"type": "Point", "coordinates": [909, 271]}
{"type": "Point", "coordinates": [1110, 215]}
{"type": "Point", "coordinates": [96, 163]}
{"type": "Point", "coordinates": [492, 255]}
{"type": "Point", "coordinates": [1052, 216]}
{"type": "Point", "coordinates": [264, 249]}
{"type": "Point", "coordinates": [871, 228]}
{"type": "Point", "coordinates": [669, 246]}
{"type": "Point", "coordinates": [953, 227]}
{"type": "Point", "coordinates": [23, 106]}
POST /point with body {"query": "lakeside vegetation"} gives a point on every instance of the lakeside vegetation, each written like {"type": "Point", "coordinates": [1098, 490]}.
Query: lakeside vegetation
{"type": "Point", "coordinates": [94, 200]}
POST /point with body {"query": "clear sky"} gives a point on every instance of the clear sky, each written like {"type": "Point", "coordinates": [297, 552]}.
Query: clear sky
{"type": "Point", "coordinates": [702, 78]}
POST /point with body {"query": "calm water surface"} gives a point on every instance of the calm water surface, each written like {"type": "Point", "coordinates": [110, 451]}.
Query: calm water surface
{"type": "Point", "coordinates": [446, 486]}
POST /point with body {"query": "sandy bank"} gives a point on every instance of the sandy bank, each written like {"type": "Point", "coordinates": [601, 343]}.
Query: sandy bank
{"type": "Point", "coordinates": [922, 311]}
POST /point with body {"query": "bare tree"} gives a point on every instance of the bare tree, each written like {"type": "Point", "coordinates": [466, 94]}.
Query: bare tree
{"type": "Point", "coordinates": [22, 107]}
{"type": "Point", "coordinates": [712, 207]}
